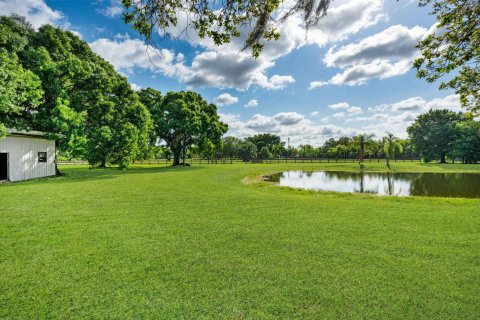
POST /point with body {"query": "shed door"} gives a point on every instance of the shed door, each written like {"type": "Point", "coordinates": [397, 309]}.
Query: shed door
{"type": "Point", "coordinates": [3, 166]}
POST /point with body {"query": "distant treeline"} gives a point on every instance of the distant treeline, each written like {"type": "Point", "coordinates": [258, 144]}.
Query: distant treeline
{"type": "Point", "coordinates": [435, 135]}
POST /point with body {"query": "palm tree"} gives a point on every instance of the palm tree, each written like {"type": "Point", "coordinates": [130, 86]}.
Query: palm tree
{"type": "Point", "coordinates": [391, 145]}
{"type": "Point", "coordinates": [374, 148]}
{"type": "Point", "coordinates": [341, 150]}
{"type": "Point", "coordinates": [361, 142]}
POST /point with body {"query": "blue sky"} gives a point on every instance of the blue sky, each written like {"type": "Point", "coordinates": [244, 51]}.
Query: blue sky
{"type": "Point", "coordinates": [351, 74]}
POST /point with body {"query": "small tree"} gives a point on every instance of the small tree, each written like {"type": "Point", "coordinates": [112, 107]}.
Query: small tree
{"type": "Point", "coordinates": [391, 146]}
{"type": "Point", "coordinates": [264, 153]}
{"type": "Point", "coordinates": [361, 142]}
{"type": "Point", "coordinates": [374, 148]}
{"type": "Point", "coordinates": [277, 151]}
{"type": "Point", "coordinates": [230, 146]}
{"type": "Point", "coordinates": [247, 151]}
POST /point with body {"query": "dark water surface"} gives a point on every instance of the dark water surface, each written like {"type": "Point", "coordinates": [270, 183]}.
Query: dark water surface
{"type": "Point", "coordinates": [464, 185]}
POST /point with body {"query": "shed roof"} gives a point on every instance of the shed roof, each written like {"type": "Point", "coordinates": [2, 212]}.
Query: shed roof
{"type": "Point", "coordinates": [13, 132]}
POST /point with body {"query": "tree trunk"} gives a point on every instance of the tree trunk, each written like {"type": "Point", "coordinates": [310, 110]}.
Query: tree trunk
{"type": "Point", "coordinates": [442, 158]}
{"type": "Point", "coordinates": [176, 157]}
{"type": "Point", "coordinates": [57, 172]}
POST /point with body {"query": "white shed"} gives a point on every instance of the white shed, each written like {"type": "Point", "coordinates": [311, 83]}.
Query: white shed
{"type": "Point", "coordinates": [26, 155]}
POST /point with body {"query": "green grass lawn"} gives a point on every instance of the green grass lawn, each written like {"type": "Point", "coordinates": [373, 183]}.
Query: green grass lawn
{"type": "Point", "coordinates": [196, 243]}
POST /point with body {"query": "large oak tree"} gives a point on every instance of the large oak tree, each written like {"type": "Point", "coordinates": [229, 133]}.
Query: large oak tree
{"type": "Point", "coordinates": [434, 132]}
{"type": "Point", "coordinates": [184, 119]}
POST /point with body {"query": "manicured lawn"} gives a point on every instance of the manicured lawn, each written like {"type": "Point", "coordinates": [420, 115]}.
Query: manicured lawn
{"type": "Point", "coordinates": [195, 242]}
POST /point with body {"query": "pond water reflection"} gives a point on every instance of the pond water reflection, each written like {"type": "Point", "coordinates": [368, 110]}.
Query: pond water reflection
{"type": "Point", "coordinates": [465, 185]}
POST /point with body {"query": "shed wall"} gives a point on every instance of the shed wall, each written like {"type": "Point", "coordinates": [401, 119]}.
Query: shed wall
{"type": "Point", "coordinates": [23, 157]}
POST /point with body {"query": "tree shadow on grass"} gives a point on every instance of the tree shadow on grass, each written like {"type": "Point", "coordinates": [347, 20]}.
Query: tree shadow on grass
{"type": "Point", "coordinates": [84, 174]}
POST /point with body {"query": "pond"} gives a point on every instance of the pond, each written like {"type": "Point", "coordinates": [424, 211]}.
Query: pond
{"type": "Point", "coordinates": [464, 185]}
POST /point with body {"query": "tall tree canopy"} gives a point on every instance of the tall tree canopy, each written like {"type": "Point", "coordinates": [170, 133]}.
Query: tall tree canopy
{"type": "Point", "coordinates": [433, 133]}
{"type": "Point", "coordinates": [221, 21]}
{"type": "Point", "coordinates": [77, 97]}
{"type": "Point", "coordinates": [184, 119]}
{"type": "Point", "coordinates": [454, 47]}
{"type": "Point", "coordinates": [20, 89]}
{"type": "Point", "coordinates": [266, 140]}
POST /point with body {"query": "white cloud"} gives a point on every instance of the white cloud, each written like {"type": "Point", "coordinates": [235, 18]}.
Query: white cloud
{"type": "Point", "coordinates": [251, 104]}
{"type": "Point", "coordinates": [317, 84]}
{"type": "Point", "coordinates": [127, 54]}
{"type": "Point", "coordinates": [383, 55]}
{"type": "Point", "coordinates": [314, 113]}
{"type": "Point", "coordinates": [113, 11]}
{"type": "Point", "coordinates": [288, 118]}
{"type": "Point", "coordinates": [420, 105]}
{"type": "Point", "coordinates": [225, 99]}
{"type": "Point", "coordinates": [280, 82]}
{"type": "Point", "coordinates": [360, 74]}
{"type": "Point", "coordinates": [37, 12]}
{"type": "Point", "coordinates": [451, 102]}
{"type": "Point", "coordinates": [347, 110]}
{"type": "Point", "coordinates": [135, 87]}
{"type": "Point", "coordinates": [394, 43]}
{"type": "Point", "coordinates": [409, 104]}
{"type": "Point", "coordinates": [208, 69]}
{"type": "Point", "coordinates": [233, 70]}
{"type": "Point", "coordinates": [261, 123]}
{"type": "Point", "coordinates": [340, 105]}
{"type": "Point", "coordinates": [338, 115]}
{"type": "Point", "coordinates": [354, 110]}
